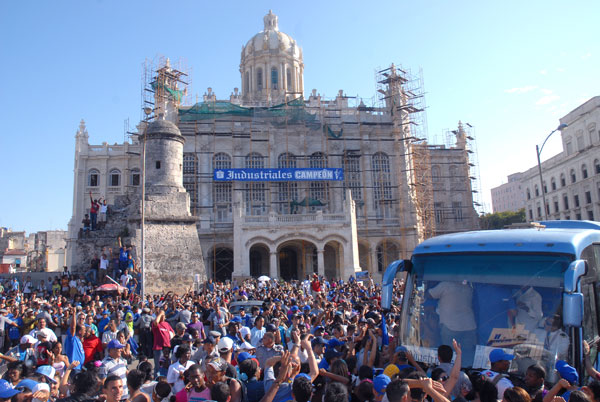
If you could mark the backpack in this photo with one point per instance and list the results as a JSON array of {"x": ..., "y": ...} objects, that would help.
[{"x": 243, "y": 389}]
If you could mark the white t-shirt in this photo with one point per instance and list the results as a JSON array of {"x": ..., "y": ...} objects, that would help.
[
  {"x": 174, "y": 373},
  {"x": 103, "y": 208},
  {"x": 103, "y": 263},
  {"x": 455, "y": 305}
]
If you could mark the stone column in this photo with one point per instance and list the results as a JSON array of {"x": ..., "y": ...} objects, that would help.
[
  {"x": 374, "y": 263},
  {"x": 273, "y": 265},
  {"x": 320, "y": 262}
]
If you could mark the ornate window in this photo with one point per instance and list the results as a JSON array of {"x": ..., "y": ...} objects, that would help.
[
  {"x": 563, "y": 181},
  {"x": 255, "y": 196},
  {"x": 387, "y": 252},
  {"x": 289, "y": 79},
  {"x": 93, "y": 178},
  {"x": 114, "y": 178},
  {"x": 259, "y": 79},
  {"x": 553, "y": 184},
  {"x": 584, "y": 172},
  {"x": 537, "y": 190},
  {"x": 382, "y": 185},
  {"x": 597, "y": 166},
  {"x": 247, "y": 83},
  {"x": 287, "y": 191},
  {"x": 573, "y": 176},
  {"x": 528, "y": 194},
  {"x": 439, "y": 212},
  {"x": 457, "y": 211},
  {"x": 352, "y": 174},
  {"x": 135, "y": 177},
  {"x": 436, "y": 173},
  {"x": 319, "y": 190},
  {"x": 274, "y": 78},
  {"x": 222, "y": 190},
  {"x": 190, "y": 182}
]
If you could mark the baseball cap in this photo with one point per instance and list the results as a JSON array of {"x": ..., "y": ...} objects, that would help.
[
  {"x": 40, "y": 387},
  {"x": 209, "y": 339},
  {"x": 567, "y": 372},
  {"x": 497, "y": 355},
  {"x": 47, "y": 371},
  {"x": 381, "y": 382},
  {"x": 6, "y": 390},
  {"x": 331, "y": 354},
  {"x": 303, "y": 375},
  {"x": 187, "y": 338},
  {"x": 27, "y": 339},
  {"x": 27, "y": 383},
  {"x": 319, "y": 340},
  {"x": 218, "y": 364},
  {"x": 215, "y": 334},
  {"x": 334, "y": 343},
  {"x": 225, "y": 344},
  {"x": 245, "y": 356},
  {"x": 271, "y": 328},
  {"x": 115, "y": 344}
]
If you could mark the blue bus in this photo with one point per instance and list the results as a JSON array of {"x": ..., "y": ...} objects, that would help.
[{"x": 532, "y": 291}]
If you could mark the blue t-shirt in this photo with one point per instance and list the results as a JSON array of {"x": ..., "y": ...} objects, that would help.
[
  {"x": 122, "y": 254},
  {"x": 75, "y": 349}
]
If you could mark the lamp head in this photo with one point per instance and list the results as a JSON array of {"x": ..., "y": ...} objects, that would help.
[{"x": 562, "y": 126}]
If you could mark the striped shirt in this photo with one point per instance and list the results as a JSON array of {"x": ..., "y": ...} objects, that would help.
[{"x": 116, "y": 367}]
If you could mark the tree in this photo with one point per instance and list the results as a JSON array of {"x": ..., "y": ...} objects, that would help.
[{"x": 499, "y": 220}]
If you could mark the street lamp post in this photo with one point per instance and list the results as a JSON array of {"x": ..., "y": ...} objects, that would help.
[{"x": 538, "y": 151}]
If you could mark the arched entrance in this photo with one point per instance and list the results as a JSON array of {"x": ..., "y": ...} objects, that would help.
[
  {"x": 332, "y": 258},
  {"x": 364, "y": 257},
  {"x": 221, "y": 264},
  {"x": 387, "y": 252},
  {"x": 297, "y": 258},
  {"x": 288, "y": 263},
  {"x": 259, "y": 260}
]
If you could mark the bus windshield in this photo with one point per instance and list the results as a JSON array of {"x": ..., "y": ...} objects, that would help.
[{"x": 487, "y": 301}]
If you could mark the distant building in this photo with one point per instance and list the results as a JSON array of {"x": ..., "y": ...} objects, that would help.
[
  {"x": 509, "y": 196},
  {"x": 571, "y": 178},
  {"x": 41, "y": 251},
  {"x": 47, "y": 251}
]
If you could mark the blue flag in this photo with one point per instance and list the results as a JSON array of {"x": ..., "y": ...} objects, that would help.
[{"x": 385, "y": 339}]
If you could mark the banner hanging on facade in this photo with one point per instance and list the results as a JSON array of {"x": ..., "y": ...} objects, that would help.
[{"x": 310, "y": 174}]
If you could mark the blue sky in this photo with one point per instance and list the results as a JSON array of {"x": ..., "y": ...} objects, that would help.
[{"x": 510, "y": 69}]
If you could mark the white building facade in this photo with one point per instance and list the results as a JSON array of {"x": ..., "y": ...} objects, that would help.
[
  {"x": 571, "y": 179},
  {"x": 395, "y": 190},
  {"x": 509, "y": 196}
]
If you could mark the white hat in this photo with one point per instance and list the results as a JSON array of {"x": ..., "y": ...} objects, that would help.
[
  {"x": 225, "y": 344},
  {"x": 244, "y": 331},
  {"x": 27, "y": 339}
]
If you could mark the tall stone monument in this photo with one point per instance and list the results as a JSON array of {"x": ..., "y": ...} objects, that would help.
[{"x": 173, "y": 256}]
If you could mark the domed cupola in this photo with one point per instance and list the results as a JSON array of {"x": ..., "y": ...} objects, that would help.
[{"x": 271, "y": 66}]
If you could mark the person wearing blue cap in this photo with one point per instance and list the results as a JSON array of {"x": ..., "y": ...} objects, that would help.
[
  {"x": 7, "y": 391},
  {"x": 114, "y": 364},
  {"x": 500, "y": 363},
  {"x": 569, "y": 378}
]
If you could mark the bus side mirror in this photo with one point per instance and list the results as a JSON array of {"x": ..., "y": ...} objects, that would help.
[
  {"x": 573, "y": 309},
  {"x": 576, "y": 270},
  {"x": 572, "y": 298},
  {"x": 387, "y": 283}
]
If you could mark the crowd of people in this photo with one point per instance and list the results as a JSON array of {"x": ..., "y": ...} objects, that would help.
[{"x": 252, "y": 341}]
